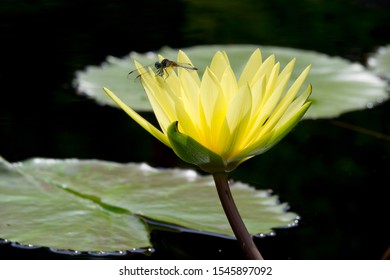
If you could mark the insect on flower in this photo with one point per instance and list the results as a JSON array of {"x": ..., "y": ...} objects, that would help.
[{"x": 160, "y": 68}]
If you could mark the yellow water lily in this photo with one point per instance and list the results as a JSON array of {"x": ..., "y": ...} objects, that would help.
[{"x": 219, "y": 121}]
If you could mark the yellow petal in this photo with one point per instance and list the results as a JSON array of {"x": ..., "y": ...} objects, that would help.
[
  {"x": 270, "y": 111},
  {"x": 272, "y": 117},
  {"x": 190, "y": 86},
  {"x": 229, "y": 84},
  {"x": 214, "y": 105},
  {"x": 210, "y": 93},
  {"x": 237, "y": 119},
  {"x": 277, "y": 106},
  {"x": 258, "y": 91},
  {"x": 264, "y": 70},
  {"x": 254, "y": 148},
  {"x": 287, "y": 70},
  {"x": 183, "y": 58},
  {"x": 252, "y": 66},
  {"x": 295, "y": 106},
  {"x": 188, "y": 125},
  {"x": 190, "y": 97},
  {"x": 271, "y": 82},
  {"x": 299, "y": 81},
  {"x": 287, "y": 100},
  {"x": 260, "y": 124},
  {"x": 161, "y": 102},
  {"x": 219, "y": 64}
]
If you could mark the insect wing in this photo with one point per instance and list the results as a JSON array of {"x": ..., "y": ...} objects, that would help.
[
  {"x": 186, "y": 66},
  {"x": 136, "y": 76}
]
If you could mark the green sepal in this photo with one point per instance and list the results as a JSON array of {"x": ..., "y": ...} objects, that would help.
[{"x": 193, "y": 152}]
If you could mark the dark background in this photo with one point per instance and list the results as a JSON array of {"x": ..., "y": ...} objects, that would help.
[{"x": 335, "y": 178}]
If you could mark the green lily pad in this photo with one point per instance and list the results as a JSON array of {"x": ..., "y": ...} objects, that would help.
[
  {"x": 339, "y": 86},
  {"x": 35, "y": 211},
  {"x": 91, "y": 205},
  {"x": 379, "y": 62}
]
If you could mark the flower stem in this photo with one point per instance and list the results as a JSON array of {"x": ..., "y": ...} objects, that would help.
[{"x": 235, "y": 220}]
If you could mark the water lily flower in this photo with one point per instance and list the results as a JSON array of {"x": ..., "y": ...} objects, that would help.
[{"x": 219, "y": 121}]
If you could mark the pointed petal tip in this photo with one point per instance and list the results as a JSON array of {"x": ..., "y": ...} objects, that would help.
[
  {"x": 108, "y": 92},
  {"x": 310, "y": 88},
  {"x": 182, "y": 57}
]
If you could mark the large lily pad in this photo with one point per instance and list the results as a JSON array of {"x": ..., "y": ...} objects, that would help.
[
  {"x": 35, "y": 211},
  {"x": 91, "y": 205},
  {"x": 339, "y": 86}
]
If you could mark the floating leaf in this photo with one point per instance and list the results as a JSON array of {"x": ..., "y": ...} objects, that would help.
[
  {"x": 339, "y": 86},
  {"x": 380, "y": 62},
  {"x": 35, "y": 211},
  {"x": 91, "y": 205}
]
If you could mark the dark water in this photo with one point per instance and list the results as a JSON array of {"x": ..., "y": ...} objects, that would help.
[{"x": 335, "y": 178}]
